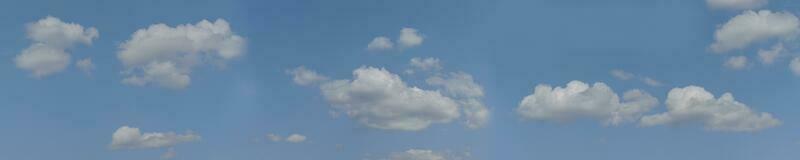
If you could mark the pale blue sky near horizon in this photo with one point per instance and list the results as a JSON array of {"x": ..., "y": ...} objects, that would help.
[{"x": 508, "y": 46}]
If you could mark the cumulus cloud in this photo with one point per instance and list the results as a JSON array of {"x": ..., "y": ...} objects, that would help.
[
  {"x": 751, "y": 26},
  {"x": 296, "y": 138},
  {"x": 306, "y": 77},
  {"x": 462, "y": 87},
  {"x": 165, "y": 56},
  {"x": 380, "y": 44},
  {"x": 736, "y": 4},
  {"x": 769, "y": 56},
  {"x": 410, "y": 37},
  {"x": 380, "y": 99},
  {"x": 52, "y": 38},
  {"x": 736, "y": 63},
  {"x": 580, "y": 100},
  {"x": 693, "y": 104},
  {"x": 795, "y": 66},
  {"x": 131, "y": 138},
  {"x": 424, "y": 64},
  {"x": 85, "y": 65}
]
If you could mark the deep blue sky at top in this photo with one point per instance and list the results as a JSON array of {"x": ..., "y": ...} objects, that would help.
[{"x": 509, "y": 46}]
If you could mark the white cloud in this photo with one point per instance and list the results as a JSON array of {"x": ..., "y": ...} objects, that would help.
[
  {"x": 306, "y": 77},
  {"x": 425, "y": 64},
  {"x": 296, "y": 138},
  {"x": 622, "y": 75},
  {"x": 795, "y": 66},
  {"x": 736, "y": 63},
  {"x": 579, "y": 100},
  {"x": 418, "y": 154},
  {"x": 380, "y": 44},
  {"x": 52, "y": 37},
  {"x": 380, "y": 99},
  {"x": 736, "y": 4},
  {"x": 694, "y": 104},
  {"x": 651, "y": 82},
  {"x": 751, "y": 26},
  {"x": 274, "y": 137},
  {"x": 769, "y": 56},
  {"x": 131, "y": 138},
  {"x": 462, "y": 87},
  {"x": 169, "y": 154},
  {"x": 165, "y": 56},
  {"x": 410, "y": 37},
  {"x": 85, "y": 65}
]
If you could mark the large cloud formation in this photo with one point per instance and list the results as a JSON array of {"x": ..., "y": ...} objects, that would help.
[
  {"x": 380, "y": 99},
  {"x": 580, "y": 100},
  {"x": 52, "y": 38},
  {"x": 736, "y": 4},
  {"x": 751, "y": 26},
  {"x": 165, "y": 56},
  {"x": 693, "y": 104},
  {"x": 131, "y": 138}
]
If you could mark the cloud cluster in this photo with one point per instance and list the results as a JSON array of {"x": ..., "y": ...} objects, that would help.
[
  {"x": 52, "y": 38},
  {"x": 580, "y": 100},
  {"x": 736, "y": 4},
  {"x": 409, "y": 37},
  {"x": 131, "y": 138},
  {"x": 380, "y": 99},
  {"x": 165, "y": 56},
  {"x": 694, "y": 104},
  {"x": 753, "y": 26}
]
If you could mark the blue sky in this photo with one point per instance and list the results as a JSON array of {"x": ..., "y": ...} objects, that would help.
[{"x": 508, "y": 47}]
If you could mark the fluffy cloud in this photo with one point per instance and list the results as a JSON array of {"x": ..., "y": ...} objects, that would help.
[
  {"x": 651, "y": 82},
  {"x": 462, "y": 87},
  {"x": 694, "y": 104},
  {"x": 131, "y": 138},
  {"x": 736, "y": 62},
  {"x": 769, "y": 56},
  {"x": 380, "y": 99},
  {"x": 52, "y": 37},
  {"x": 380, "y": 43},
  {"x": 306, "y": 77},
  {"x": 425, "y": 64},
  {"x": 296, "y": 138},
  {"x": 85, "y": 65},
  {"x": 410, "y": 37},
  {"x": 736, "y": 4},
  {"x": 165, "y": 56},
  {"x": 795, "y": 66},
  {"x": 580, "y": 100},
  {"x": 751, "y": 26}
]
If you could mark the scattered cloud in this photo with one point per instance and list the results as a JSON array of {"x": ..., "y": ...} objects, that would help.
[
  {"x": 425, "y": 154},
  {"x": 580, "y": 100},
  {"x": 296, "y": 138},
  {"x": 736, "y": 63},
  {"x": 410, "y": 37},
  {"x": 169, "y": 154},
  {"x": 754, "y": 26},
  {"x": 306, "y": 77},
  {"x": 736, "y": 4},
  {"x": 131, "y": 138},
  {"x": 463, "y": 88},
  {"x": 693, "y": 104},
  {"x": 795, "y": 66},
  {"x": 651, "y": 82},
  {"x": 52, "y": 38},
  {"x": 380, "y": 44},
  {"x": 274, "y": 137},
  {"x": 380, "y": 99},
  {"x": 165, "y": 56},
  {"x": 85, "y": 65},
  {"x": 623, "y": 75},
  {"x": 769, "y": 56},
  {"x": 424, "y": 64}
]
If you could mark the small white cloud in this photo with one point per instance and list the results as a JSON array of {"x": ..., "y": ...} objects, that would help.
[
  {"x": 52, "y": 38},
  {"x": 736, "y": 4},
  {"x": 751, "y": 26},
  {"x": 169, "y": 154},
  {"x": 306, "y": 77},
  {"x": 165, "y": 56},
  {"x": 274, "y": 137},
  {"x": 425, "y": 64},
  {"x": 622, "y": 75},
  {"x": 417, "y": 154},
  {"x": 410, "y": 37},
  {"x": 651, "y": 82},
  {"x": 85, "y": 65},
  {"x": 795, "y": 66},
  {"x": 296, "y": 138},
  {"x": 736, "y": 63},
  {"x": 769, "y": 56},
  {"x": 693, "y": 104},
  {"x": 380, "y": 99},
  {"x": 580, "y": 100},
  {"x": 131, "y": 138},
  {"x": 380, "y": 44}
]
